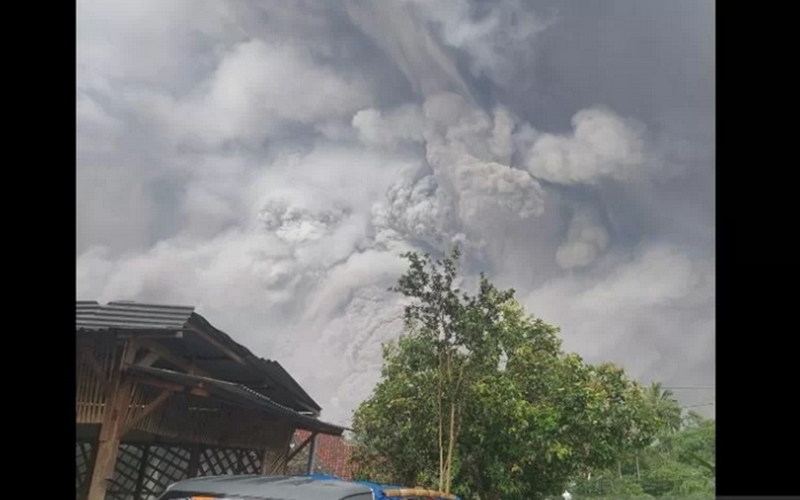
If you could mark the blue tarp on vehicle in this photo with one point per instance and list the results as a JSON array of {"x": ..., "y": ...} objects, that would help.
[{"x": 378, "y": 489}]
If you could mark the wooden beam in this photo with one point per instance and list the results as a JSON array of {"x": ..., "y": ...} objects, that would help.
[
  {"x": 301, "y": 447},
  {"x": 311, "y": 454},
  {"x": 129, "y": 351},
  {"x": 150, "y": 408},
  {"x": 157, "y": 349},
  {"x": 228, "y": 352},
  {"x": 145, "y": 334},
  {"x": 148, "y": 359},
  {"x": 154, "y": 347},
  {"x": 171, "y": 386},
  {"x": 118, "y": 398}
]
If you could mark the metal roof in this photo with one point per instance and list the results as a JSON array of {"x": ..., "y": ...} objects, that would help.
[
  {"x": 239, "y": 395},
  {"x": 90, "y": 315},
  {"x": 270, "y": 368},
  {"x": 273, "y": 487}
]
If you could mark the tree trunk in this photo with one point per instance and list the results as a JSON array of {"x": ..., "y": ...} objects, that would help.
[
  {"x": 450, "y": 445},
  {"x": 441, "y": 431}
]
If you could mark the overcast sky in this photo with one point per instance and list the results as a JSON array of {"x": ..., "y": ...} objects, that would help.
[{"x": 266, "y": 161}]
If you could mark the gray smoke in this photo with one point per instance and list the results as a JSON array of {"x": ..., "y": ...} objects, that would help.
[{"x": 269, "y": 161}]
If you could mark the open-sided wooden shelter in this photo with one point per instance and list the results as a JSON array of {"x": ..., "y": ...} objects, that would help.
[{"x": 161, "y": 395}]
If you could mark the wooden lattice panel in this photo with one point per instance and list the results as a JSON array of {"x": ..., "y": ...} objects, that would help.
[
  {"x": 126, "y": 473},
  {"x": 249, "y": 462},
  {"x": 84, "y": 456},
  {"x": 165, "y": 465},
  {"x": 217, "y": 462},
  {"x": 143, "y": 471}
]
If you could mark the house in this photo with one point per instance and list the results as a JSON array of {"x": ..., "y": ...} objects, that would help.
[
  {"x": 162, "y": 395},
  {"x": 332, "y": 455}
]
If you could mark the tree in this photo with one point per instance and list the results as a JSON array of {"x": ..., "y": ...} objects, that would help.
[
  {"x": 678, "y": 464},
  {"x": 666, "y": 406},
  {"x": 478, "y": 397}
]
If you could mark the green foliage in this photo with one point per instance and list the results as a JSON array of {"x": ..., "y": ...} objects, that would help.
[
  {"x": 645, "y": 496},
  {"x": 679, "y": 464},
  {"x": 480, "y": 393}
]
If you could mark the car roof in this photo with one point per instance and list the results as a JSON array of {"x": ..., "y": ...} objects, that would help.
[{"x": 277, "y": 487}]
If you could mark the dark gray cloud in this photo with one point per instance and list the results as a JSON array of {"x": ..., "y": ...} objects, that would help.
[{"x": 267, "y": 161}]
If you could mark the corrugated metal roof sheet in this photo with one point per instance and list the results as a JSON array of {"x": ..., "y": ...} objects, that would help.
[
  {"x": 130, "y": 316},
  {"x": 272, "y": 369},
  {"x": 279, "y": 374},
  {"x": 239, "y": 394}
]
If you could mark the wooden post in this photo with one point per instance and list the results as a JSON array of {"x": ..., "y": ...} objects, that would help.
[
  {"x": 117, "y": 401},
  {"x": 310, "y": 465},
  {"x": 237, "y": 466},
  {"x": 194, "y": 462},
  {"x": 142, "y": 471},
  {"x": 108, "y": 442}
]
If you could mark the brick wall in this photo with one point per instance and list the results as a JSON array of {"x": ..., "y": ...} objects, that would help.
[{"x": 332, "y": 456}]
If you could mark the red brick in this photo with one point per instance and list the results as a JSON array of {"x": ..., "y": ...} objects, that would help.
[{"x": 332, "y": 457}]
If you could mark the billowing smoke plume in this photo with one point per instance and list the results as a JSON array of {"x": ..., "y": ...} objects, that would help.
[{"x": 268, "y": 162}]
